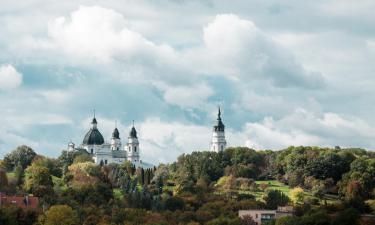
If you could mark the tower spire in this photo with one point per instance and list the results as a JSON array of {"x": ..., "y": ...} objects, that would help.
[
  {"x": 94, "y": 122},
  {"x": 219, "y": 113}
]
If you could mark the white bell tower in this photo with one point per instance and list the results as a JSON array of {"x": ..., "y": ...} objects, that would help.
[
  {"x": 115, "y": 140},
  {"x": 218, "y": 142},
  {"x": 132, "y": 147}
]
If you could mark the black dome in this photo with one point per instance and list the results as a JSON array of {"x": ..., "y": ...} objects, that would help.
[{"x": 93, "y": 137}]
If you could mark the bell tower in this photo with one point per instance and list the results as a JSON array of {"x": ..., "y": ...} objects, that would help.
[
  {"x": 132, "y": 147},
  {"x": 218, "y": 142}
]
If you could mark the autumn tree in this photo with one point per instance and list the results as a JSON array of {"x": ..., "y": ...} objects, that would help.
[
  {"x": 297, "y": 195},
  {"x": 38, "y": 180},
  {"x": 59, "y": 215}
]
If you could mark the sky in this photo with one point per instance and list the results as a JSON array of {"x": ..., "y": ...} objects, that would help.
[{"x": 284, "y": 73}]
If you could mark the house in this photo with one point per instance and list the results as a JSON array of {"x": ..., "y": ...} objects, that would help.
[
  {"x": 25, "y": 202},
  {"x": 262, "y": 215}
]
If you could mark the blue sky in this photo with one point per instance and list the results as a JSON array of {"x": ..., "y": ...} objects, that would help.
[{"x": 285, "y": 72}]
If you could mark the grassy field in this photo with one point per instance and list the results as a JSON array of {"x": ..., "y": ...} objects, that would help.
[
  {"x": 271, "y": 185},
  {"x": 10, "y": 175}
]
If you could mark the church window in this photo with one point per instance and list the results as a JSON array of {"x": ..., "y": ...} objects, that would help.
[
  {"x": 135, "y": 148},
  {"x": 222, "y": 148},
  {"x": 105, "y": 161},
  {"x": 92, "y": 151}
]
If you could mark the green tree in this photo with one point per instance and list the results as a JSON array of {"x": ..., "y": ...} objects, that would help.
[
  {"x": 3, "y": 179},
  {"x": 275, "y": 198},
  {"x": 347, "y": 217},
  {"x": 59, "y": 215},
  {"x": 22, "y": 155}
]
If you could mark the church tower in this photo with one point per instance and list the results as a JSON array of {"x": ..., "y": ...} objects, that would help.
[
  {"x": 218, "y": 137},
  {"x": 115, "y": 140},
  {"x": 133, "y": 146}
]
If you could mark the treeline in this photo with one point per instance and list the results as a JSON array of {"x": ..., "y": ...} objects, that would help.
[{"x": 199, "y": 188}]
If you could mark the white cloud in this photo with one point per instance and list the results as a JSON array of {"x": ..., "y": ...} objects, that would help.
[
  {"x": 309, "y": 128},
  {"x": 100, "y": 34},
  {"x": 164, "y": 141},
  {"x": 188, "y": 96},
  {"x": 10, "y": 78},
  {"x": 236, "y": 47}
]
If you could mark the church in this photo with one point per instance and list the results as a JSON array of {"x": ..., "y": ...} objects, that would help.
[{"x": 105, "y": 153}]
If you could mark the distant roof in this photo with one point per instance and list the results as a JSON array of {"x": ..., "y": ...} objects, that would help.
[{"x": 20, "y": 201}]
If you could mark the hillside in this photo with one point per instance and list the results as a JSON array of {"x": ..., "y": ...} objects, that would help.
[{"x": 198, "y": 188}]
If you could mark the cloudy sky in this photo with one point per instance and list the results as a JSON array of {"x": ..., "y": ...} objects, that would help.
[{"x": 285, "y": 73}]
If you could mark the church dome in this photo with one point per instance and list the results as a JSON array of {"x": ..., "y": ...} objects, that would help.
[{"x": 93, "y": 137}]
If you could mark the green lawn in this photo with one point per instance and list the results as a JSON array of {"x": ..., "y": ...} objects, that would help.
[
  {"x": 271, "y": 185},
  {"x": 10, "y": 175}
]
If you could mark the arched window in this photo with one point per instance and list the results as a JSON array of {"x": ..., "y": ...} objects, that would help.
[
  {"x": 135, "y": 148},
  {"x": 222, "y": 148},
  {"x": 105, "y": 162},
  {"x": 92, "y": 151}
]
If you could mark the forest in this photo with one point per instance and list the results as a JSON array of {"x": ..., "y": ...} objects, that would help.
[{"x": 333, "y": 186}]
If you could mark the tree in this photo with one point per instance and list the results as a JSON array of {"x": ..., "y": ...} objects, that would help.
[
  {"x": 22, "y": 155},
  {"x": 53, "y": 165},
  {"x": 297, "y": 195},
  {"x": 59, "y": 215},
  {"x": 248, "y": 220},
  {"x": 83, "y": 158},
  {"x": 275, "y": 198},
  {"x": 347, "y": 217},
  {"x": 174, "y": 203},
  {"x": 19, "y": 175},
  {"x": 38, "y": 180},
  {"x": 3, "y": 179}
]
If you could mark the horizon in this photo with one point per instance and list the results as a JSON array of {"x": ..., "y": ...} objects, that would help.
[{"x": 285, "y": 74}]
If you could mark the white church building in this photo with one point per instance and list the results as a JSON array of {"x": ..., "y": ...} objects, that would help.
[{"x": 105, "y": 153}]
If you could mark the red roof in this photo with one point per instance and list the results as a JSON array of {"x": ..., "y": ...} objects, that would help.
[{"x": 20, "y": 201}]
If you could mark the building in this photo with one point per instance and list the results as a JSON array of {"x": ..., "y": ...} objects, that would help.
[
  {"x": 105, "y": 153},
  {"x": 263, "y": 215},
  {"x": 218, "y": 142},
  {"x": 25, "y": 202}
]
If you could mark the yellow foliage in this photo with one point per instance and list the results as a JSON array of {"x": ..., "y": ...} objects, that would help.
[{"x": 297, "y": 195}]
